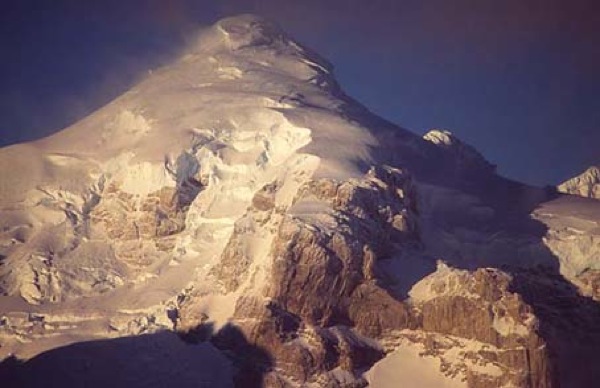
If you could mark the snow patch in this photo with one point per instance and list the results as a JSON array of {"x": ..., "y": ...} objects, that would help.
[
  {"x": 440, "y": 137},
  {"x": 445, "y": 281},
  {"x": 406, "y": 367}
]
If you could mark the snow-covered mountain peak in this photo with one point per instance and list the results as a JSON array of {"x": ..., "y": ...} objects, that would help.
[
  {"x": 255, "y": 39},
  {"x": 181, "y": 155},
  {"x": 241, "y": 31},
  {"x": 464, "y": 156},
  {"x": 241, "y": 76},
  {"x": 239, "y": 189},
  {"x": 251, "y": 30}
]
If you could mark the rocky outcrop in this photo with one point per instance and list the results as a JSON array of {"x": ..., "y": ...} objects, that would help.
[
  {"x": 333, "y": 264},
  {"x": 586, "y": 184},
  {"x": 139, "y": 227},
  {"x": 325, "y": 307},
  {"x": 480, "y": 306},
  {"x": 324, "y": 303},
  {"x": 567, "y": 322}
]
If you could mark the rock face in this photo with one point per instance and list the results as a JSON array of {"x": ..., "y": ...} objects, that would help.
[
  {"x": 321, "y": 306},
  {"x": 491, "y": 315},
  {"x": 324, "y": 291},
  {"x": 239, "y": 198},
  {"x": 324, "y": 309},
  {"x": 586, "y": 184},
  {"x": 333, "y": 264}
]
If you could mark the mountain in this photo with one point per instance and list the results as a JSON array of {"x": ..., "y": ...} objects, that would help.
[
  {"x": 289, "y": 237},
  {"x": 586, "y": 184}
]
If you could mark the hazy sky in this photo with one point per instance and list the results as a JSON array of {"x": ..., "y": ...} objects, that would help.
[{"x": 520, "y": 80}]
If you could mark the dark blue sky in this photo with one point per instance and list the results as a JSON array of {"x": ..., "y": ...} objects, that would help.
[{"x": 518, "y": 79}]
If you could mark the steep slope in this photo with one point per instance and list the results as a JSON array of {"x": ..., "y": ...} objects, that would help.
[{"x": 240, "y": 198}]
